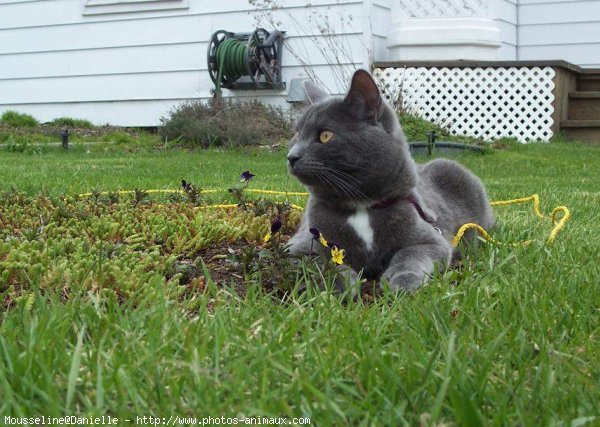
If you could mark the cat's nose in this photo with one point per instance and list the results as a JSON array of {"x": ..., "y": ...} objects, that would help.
[{"x": 293, "y": 159}]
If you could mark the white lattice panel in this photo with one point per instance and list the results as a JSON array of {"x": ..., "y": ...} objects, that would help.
[
  {"x": 485, "y": 103},
  {"x": 442, "y": 8}
]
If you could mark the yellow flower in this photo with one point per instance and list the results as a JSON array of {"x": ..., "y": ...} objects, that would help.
[
  {"x": 267, "y": 238},
  {"x": 322, "y": 240},
  {"x": 337, "y": 255}
]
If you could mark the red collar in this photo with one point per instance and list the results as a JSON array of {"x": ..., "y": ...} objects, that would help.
[{"x": 410, "y": 199}]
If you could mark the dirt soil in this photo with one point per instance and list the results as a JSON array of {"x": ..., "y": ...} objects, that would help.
[{"x": 220, "y": 263}]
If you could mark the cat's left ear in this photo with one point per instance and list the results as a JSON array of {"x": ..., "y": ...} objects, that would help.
[{"x": 363, "y": 99}]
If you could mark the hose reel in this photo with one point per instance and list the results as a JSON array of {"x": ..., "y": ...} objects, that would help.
[{"x": 246, "y": 61}]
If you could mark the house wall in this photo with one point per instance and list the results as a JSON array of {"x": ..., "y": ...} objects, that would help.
[
  {"x": 131, "y": 68},
  {"x": 507, "y": 23},
  {"x": 380, "y": 24},
  {"x": 113, "y": 64},
  {"x": 560, "y": 29}
]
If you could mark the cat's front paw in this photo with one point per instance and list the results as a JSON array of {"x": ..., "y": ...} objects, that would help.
[
  {"x": 300, "y": 245},
  {"x": 404, "y": 281},
  {"x": 297, "y": 249}
]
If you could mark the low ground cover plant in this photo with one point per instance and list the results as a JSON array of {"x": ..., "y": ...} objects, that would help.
[{"x": 114, "y": 244}]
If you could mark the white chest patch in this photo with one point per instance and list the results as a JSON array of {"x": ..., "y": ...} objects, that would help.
[{"x": 362, "y": 227}]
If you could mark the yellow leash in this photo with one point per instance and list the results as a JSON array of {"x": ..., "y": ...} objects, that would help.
[
  {"x": 211, "y": 191},
  {"x": 558, "y": 222},
  {"x": 247, "y": 190}
]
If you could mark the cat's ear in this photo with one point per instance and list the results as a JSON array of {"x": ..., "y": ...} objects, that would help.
[
  {"x": 314, "y": 93},
  {"x": 364, "y": 99}
]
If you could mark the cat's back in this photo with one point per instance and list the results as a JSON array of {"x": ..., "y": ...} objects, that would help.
[
  {"x": 446, "y": 172},
  {"x": 461, "y": 190}
]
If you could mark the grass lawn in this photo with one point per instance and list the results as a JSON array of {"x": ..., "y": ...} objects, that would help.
[{"x": 94, "y": 320}]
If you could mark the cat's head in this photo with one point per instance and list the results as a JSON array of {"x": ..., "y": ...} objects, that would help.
[{"x": 351, "y": 149}]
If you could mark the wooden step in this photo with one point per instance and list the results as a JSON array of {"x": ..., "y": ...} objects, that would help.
[
  {"x": 584, "y": 105},
  {"x": 580, "y": 123},
  {"x": 588, "y": 81},
  {"x": 582, "y": 130}
]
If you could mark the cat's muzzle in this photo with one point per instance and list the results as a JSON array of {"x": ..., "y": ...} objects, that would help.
[{"x": 292, "y": 159}]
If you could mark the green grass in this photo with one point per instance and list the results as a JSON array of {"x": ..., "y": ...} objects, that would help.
[
  {"x": 416, "y": 128},
  {"x": 511, "y": 339},
  {"x": 107, "y": 168},
  {"x": 24, "y": 134}
]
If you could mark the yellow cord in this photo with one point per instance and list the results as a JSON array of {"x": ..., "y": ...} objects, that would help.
[
  {"x": 248, "y": 190},
  {"x": 102, "y": 193},
  {"x": 276, "y": 193},
  {"x": 235, "y": 205},
  {"x": 558, "y": 222},
  {"x": 465, "y": 227},
  {"x": 534, "y": 197},
  {"x": 227, "y": 206}
]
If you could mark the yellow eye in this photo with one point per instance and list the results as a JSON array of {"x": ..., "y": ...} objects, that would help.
[{"x": 325, "y": 136}]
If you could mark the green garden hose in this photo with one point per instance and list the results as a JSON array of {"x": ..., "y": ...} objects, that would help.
[
  {"x": 245, "y": 61},
  {"x": 232, "y": 61}
]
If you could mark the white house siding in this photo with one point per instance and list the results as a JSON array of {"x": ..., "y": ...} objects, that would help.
[
  {"x": 132, "y": 68},
  {"x": 380, "y": 24},
  {"x": 507, "y": 23},
  {"x": 568, "y": 30}
]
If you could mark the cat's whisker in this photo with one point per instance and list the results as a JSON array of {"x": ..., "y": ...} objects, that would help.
[
  {"x": 351, "y": 192},
  {"x": 336, "y": 179},
  {"x": 313, "y": 164},
  {"x": 319, "y": 175},
  {"x": 339, "y": 187},
  {"x": 354, "y": 166},
  {"x": 342, "y": 174},
  {"x": 350, "y": 189},
  {"x": 326, "y": 181}
]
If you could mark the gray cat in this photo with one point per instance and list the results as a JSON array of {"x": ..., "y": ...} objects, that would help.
[{"x": 394, "y": 218}]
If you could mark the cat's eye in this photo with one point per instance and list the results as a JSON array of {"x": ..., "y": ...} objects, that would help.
[{"x": 325, "y": 136}]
